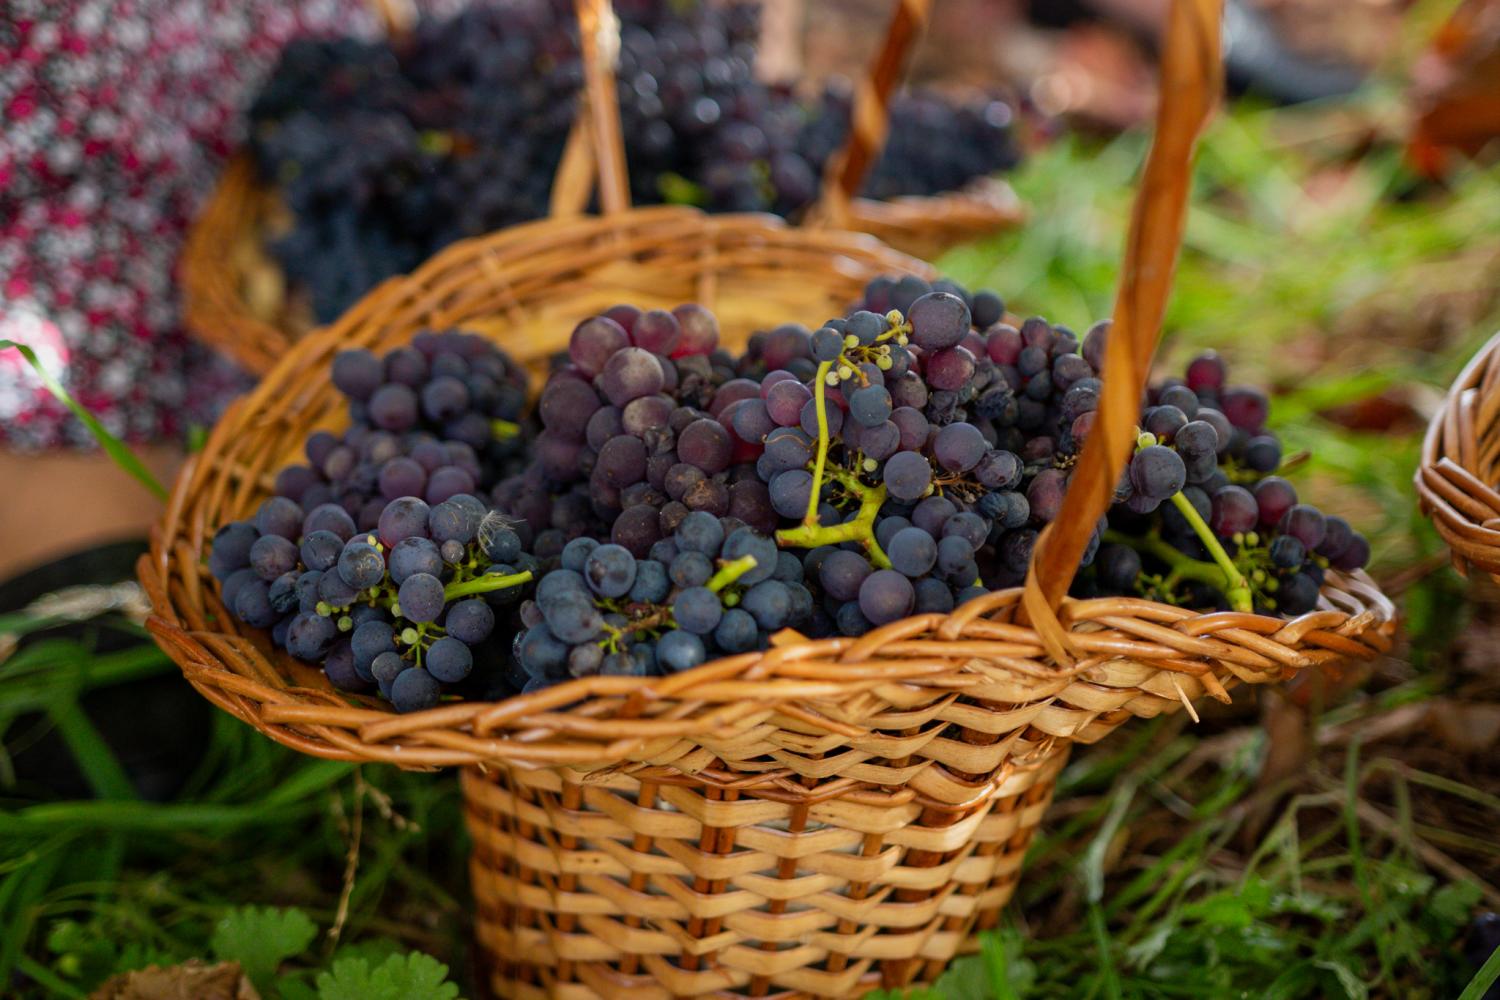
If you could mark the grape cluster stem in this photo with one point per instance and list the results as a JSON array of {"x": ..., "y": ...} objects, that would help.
[{"x": 810, "y": 534}]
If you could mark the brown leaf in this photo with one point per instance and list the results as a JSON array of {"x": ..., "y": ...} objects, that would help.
[
  {"x": 1457, "y": 91},
  {"x": 192, "y": 980}
]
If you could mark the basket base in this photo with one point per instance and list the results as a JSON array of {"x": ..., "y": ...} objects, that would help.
[{"x": 660, "y": 885}]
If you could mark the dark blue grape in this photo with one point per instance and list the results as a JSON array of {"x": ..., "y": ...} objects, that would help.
[
  {"x": 912, "y": 552},
  {"x": 651, "y": 582},
  {"x": 357, "y": 374},
  {"x": 414, "y": 555},
  {"x": 470, "y": 621},
  {"x": 841, "y": 574},
  {"x": 310, "y": 637},
  {"x": 886, "y": 596},
  {"x": 369, "y": 640},
  {"x": 691, "y": 569},
  {"x": 271, "y": 556},
  {"x": 415, "y": 690},
  {"x": 698, "y": 610},
  {"x": 420, "y": 597},
  {"x": 700, "y": 532},
  {"x": 736, "y": 631},
  {"x": 680, "y": 650},
  {"x": 932, "y": 596},
  {"x": 361, "y": 565},
  {"x": 279, "y": 516},
  {"x": 448, "y": 660},
  {"x": 610, "y": 571},
  {"x": 769, "y": 603},
  {"x": 571, "y": 615}
]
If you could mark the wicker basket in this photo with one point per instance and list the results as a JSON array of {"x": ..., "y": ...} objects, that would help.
[
  {"x": 235, "y": 297},
  {"x": 811, "y": 821},
  {"x": 1461, "y": 461}
]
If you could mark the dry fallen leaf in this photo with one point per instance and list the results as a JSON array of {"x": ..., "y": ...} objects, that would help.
[{"x": 192, "y": 980}]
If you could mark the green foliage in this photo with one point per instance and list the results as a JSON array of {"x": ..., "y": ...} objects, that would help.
[
  {"x": 399, "y": 977},
  {"x": 113, "y": 446},
  {"x": 270, "y": 944},
  {"x": 260, "y": 939}
]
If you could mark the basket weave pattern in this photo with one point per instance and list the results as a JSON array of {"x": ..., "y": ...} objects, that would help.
[
  {"x": 820, "y": 818},
  {"x": 1461, "y": 463},
  {"x": 812, "y": 820}
]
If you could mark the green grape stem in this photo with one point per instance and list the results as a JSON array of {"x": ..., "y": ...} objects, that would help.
[
  {"x": 730, "y": 572},
  {"x": 861, "y": 529},
  {"x": 1237, "y": 589},
  {"x": 820, "y": 395},
  {"x": 1185, "y": 567},
  {"x": 483, "y": 585},
  {"x": 504, "y": 430}
]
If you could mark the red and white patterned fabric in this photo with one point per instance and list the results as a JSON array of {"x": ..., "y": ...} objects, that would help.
[{"x": 117, "y": 115}]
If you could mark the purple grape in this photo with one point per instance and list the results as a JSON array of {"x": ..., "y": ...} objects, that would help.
[
  {"x": 1157, "y": 472},
  {"x": 950, "y": 369},
  {"x": 1274, "y": 496},
  {"x": 630, "y": 374},
  {"x": 566, "y": 406},
  {"x": 657, "y": 331},
  {"x": 907, "y": 475},
  {"x": 402, "y": 477},
  {"x": 959, "y": 447},
  {"x": 700, "y": 330},
  {"x": 646, "y": 417},
  {"x": 393, "y": 408},
  {"x": 1245, "y": 407},
  {"x": 938, "y": 320},
  {"x": 622, "y": 461},
  {"x": 1205, "y": 373},
  {"x": 1304, "y": 523},
  {"x": 842, "y": 573},
  {"x": 886, "y": 596},
  {"x": 594, "y": 342},
  {"x": 357, "y": 373},
  {"x": 706, "y": 445},
  {"x": 1234, "y": 511},
  {"x": 402, "y": 518}
]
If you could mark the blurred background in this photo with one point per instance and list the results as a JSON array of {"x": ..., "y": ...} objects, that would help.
[{"x": 1336, "y": 839}]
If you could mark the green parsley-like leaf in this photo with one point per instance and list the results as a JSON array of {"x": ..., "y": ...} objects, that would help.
[
  {"x": 413, "y": 976},
  {"x": 261, "y": 938}
]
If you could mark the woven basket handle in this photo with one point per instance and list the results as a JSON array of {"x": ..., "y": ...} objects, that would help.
[
  {"x": 870, "y": 114},
  {"x": 595, "y": 151},
  {"x": 396, "y": 17},
  {"x": 1190, "y": 80}
]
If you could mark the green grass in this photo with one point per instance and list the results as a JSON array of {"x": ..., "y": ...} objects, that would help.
[{"x": 1166, "y": 869}]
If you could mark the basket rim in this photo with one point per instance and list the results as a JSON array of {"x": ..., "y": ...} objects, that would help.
[
  {"x": 216, "y": 312},
  {"x": 1451, "y": 489},
  {"x": 613, "y": 717}
]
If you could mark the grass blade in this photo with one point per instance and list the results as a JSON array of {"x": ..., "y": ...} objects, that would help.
[
  {"x": 103, "y": 770},
  {"x": 1486, "y": 977},
  {"x": 113, "y": 446}
]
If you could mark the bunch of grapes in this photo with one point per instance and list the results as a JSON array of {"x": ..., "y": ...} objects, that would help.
[
  {"x": 406, "y": 607},
  {"x": 1202, "y": 519},
  {"x": 385, "y": 152},
  {"x": 441, "y": 417},
  {"x": 677, "y": 504},
  {"x": 631, "y": 440},
  {"x": 923, "y": 496},
  {"x": 711, "y": 588},
  {"x": 934, "y": 145}
]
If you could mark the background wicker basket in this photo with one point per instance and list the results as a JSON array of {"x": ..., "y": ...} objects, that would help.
[
  {"x": 1461, "y": 463},
  {"x": 236, "y": 300},
  {"x": 814, "y": 820}
]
